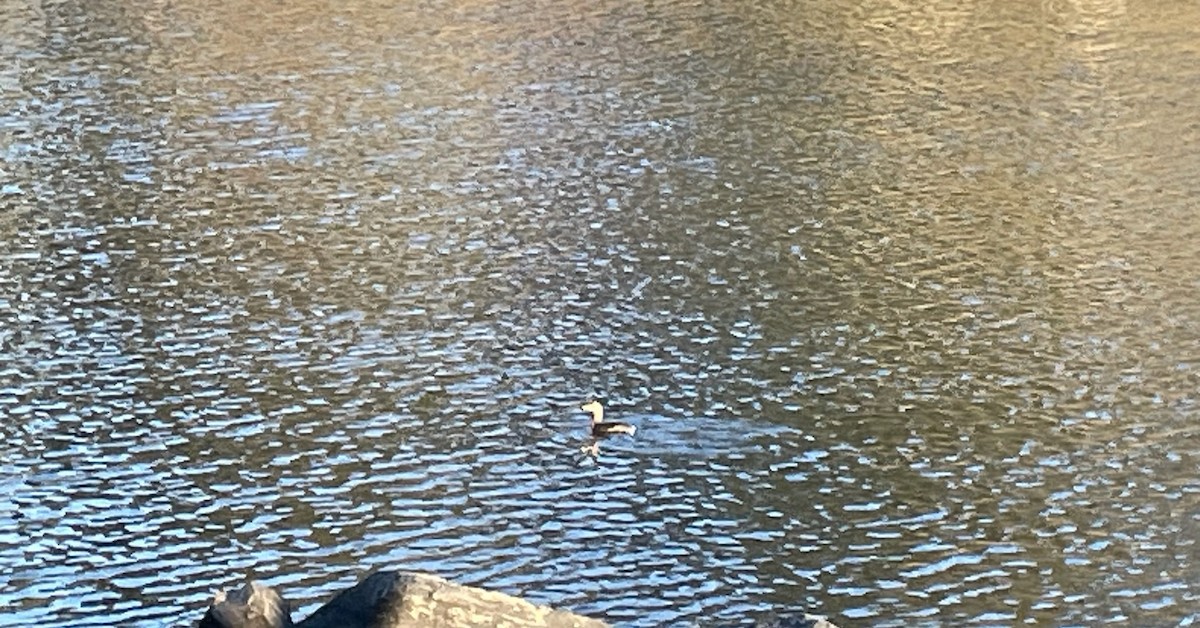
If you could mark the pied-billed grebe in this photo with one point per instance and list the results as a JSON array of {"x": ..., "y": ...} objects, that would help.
[{"x": 600, "y": 427}]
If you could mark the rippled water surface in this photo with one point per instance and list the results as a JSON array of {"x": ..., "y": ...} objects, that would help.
[{"x": 903, "y": 297}]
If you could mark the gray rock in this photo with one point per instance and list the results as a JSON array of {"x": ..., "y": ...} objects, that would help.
[
  {"x": 797, "y": 621},
  {"x": 391, "y": 600},
  {"x": 254, "y": 605}
]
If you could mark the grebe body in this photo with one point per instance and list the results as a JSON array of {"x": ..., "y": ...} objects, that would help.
[{"x": 600, "y": 427}]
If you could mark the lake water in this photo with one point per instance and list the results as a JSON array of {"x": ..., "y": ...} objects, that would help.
[{"x": 904, "y": 299}]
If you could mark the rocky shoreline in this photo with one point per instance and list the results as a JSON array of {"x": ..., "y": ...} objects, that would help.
[{"x": 390, "y": 599}]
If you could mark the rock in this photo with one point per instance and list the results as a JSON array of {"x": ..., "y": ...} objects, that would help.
[
  {"x": 391, "y": 600},
  {"x": 252, "y": 606},
  {"x": 797, "y": 621}
]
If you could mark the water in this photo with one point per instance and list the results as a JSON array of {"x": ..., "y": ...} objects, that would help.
[{"x": 903, "y": 300}]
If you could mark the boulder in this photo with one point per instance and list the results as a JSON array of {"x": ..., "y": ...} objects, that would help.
[
  {"x": 803, "y": 620},
  {"x": 389, "y": 599}
]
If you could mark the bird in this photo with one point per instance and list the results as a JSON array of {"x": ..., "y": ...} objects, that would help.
[{"x": 600, "y": 427}]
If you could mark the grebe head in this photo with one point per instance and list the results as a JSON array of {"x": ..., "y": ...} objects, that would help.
[{"x": 595, "y": 408}]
